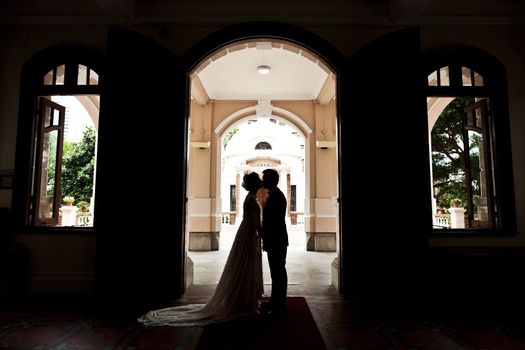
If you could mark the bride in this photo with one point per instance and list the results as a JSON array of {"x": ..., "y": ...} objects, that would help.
[{"x": 240, "y": 287}]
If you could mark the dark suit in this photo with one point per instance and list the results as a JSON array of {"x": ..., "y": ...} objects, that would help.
[{"x": 275, "y": 243}]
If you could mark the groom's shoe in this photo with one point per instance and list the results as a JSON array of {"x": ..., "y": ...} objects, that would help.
[
  {"x": 277, "y": 311},
  {"x": 266, "y": 306}
]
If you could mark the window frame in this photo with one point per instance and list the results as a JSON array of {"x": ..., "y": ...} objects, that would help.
[
  {"x": 233, "y": 198},
  {"x": 495, "y": 90},
  {"x": 28, "y": 132}
]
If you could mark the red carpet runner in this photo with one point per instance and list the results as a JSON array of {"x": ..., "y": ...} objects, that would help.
[{"x": 295, "y": 330}]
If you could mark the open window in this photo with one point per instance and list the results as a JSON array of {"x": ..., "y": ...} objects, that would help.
[
  {"x": 57, "y": 142},
  {"x": 49, "y": 155},
  {"x": 471, "y": 191}
]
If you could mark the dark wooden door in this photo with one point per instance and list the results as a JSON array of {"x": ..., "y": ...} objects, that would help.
[
  {"x": 141, "y": 170},
  {"x": 385, "y": 176}
]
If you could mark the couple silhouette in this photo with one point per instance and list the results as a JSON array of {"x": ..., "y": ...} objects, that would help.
[{"x": 240, "y": 288}]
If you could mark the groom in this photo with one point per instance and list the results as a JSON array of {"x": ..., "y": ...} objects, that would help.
[{"x": 275, "y": 240}]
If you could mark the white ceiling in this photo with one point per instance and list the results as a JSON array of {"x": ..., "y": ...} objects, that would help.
[{"x": 235, "y": 77}]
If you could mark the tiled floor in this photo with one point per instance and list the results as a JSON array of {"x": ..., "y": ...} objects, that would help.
[
  {"x": 306, "y": 270},
  {"x": 347, "y": 325},
  {"x": 344, "y": 324}
]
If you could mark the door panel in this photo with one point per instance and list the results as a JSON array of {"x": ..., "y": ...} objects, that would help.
[
  {"x": 143, "y": 119},
  {"x": 386, "y": 207}
]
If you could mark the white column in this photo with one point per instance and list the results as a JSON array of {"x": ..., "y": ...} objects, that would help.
[
  {"x": 457, "y": 217},
  {"x": 69, "y": 215}
]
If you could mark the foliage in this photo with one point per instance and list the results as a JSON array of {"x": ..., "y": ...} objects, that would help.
[
  {"x": 455, "y": 203},
  {"x": 68, "y": 199},
  {"x": 229, "y": 136},
  {"x": 78, "y": 167},
  {"x": 448, "y": 157},
  {"x": 83, "y": 204}
]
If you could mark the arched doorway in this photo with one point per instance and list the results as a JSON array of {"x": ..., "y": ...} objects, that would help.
[
  {"x": 225, "y": 89},
  {"x": 373, "y": 258}
]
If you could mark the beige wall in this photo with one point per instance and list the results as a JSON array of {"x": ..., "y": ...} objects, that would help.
[
  {"x": 60, "y": 263},
  {"x": 204, "y": 191}
]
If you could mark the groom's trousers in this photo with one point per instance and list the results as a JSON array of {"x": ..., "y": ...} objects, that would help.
[{"x": 277, "y": 262}]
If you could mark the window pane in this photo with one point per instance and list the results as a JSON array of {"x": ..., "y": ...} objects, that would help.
[
  {"x": 48, "y": 115},
  {"x": 47, "y": 179},
  {"x": 478, "y": 79},
  {"x": 448, "y": 163},
  {"x": 293, "y": 198},
  {"x": 93, "y": 77},
  {"x": 263, "y": 145},
  {"x": 56, "y": 117},
  {"x": 466, "y": 76},
  {"x": 48, "y": 78},
  {"x": 444, "y": 76},
  {"x": 60, "y": 75},
  {"x": 82, "y": 75},
  {"x": 479, "y": 118},
  {"x": 480, "y": 217},
  {"x": 233, "y": 198},
  {"x": 77, "y": 152},
  {"x": 432, "y": 79},
  {"x": 470, "y": 118}
]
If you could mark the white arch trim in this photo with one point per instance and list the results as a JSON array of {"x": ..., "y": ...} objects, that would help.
[
  {"x": 436, "y": 105},
  {"x": 284, "y": 114}
]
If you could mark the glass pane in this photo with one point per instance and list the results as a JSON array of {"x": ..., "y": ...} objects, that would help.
[
  {"x": 47, "y": 175},
  {"x": 48, "y": 115},
  {"x": 233, "y": 197},
  {"x": 478, "y": 79},
  {"x": 478, "y": 185},
  {"x": 448, "y": 165},
  {"x": 466, "y": 76},
  {"x": 479, "y": 118},
  {"x": 432, "y": 79},
  {"x": 82, "y": 75},
  {"x": 56, "y": 117},
  {"x": 60, "y": 75},
  {"x": 470, "y": 118},
  {"x": 444, "y": 76},
  {"x": 93, "y": 77},
  {"x": 48, "y": 78}
]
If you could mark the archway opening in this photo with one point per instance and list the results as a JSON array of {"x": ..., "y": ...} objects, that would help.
[{"x": 242, "y": 121}]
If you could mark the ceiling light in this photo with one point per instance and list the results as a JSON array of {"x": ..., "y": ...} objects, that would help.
[{"x": 263, "y": 70}]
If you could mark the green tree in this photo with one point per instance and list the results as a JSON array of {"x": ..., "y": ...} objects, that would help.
[
  {"x": 66, "y": 151},
  {"x": 448, "y": 157},
  {"x": 78, "y": 167}
]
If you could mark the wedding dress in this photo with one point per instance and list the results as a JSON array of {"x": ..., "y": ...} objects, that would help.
[{"x": 240, "y": 287}]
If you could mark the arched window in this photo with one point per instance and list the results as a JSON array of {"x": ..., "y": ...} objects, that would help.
[
  {"x": 263, "y": 145},
  {"x": 63, "y": 86},
  {"x": 466, "y": 104}
]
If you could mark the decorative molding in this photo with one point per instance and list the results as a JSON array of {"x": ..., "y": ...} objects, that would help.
[
  {"x": 263, "y": 108},
  {"x": 325, "y": 144},
  {"x": 200, "y": 144},
  {"x": 327, "y": 92},
  {"x": 278, "y": 113},
  {"x": 198, "y": 92}
]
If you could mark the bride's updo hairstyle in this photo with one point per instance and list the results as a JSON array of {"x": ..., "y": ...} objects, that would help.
[{"x": 251, "y": 182}]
